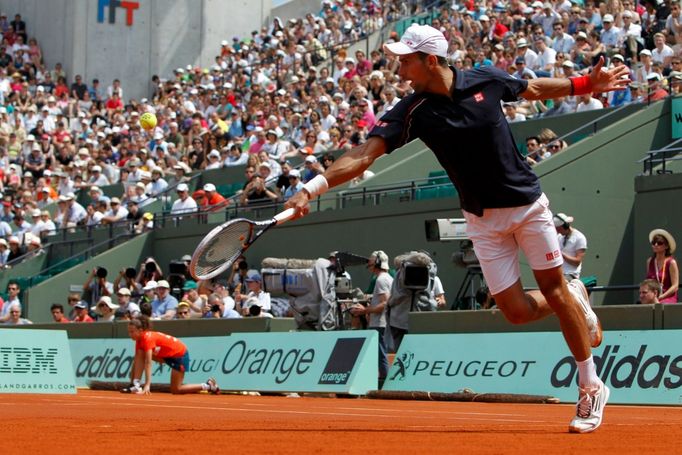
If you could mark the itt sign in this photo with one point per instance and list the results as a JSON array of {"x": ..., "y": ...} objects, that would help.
[{"x": 112, "y": 6}]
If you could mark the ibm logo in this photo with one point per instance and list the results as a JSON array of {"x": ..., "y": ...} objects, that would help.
[
  {"x": 113, "y": 5},
  {"x": 26, "y": 360}
]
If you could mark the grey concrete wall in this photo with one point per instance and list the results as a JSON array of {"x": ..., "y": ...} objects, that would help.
[
  {"x": 165, "y": 34},
  {"x": 295, "y": 9}
]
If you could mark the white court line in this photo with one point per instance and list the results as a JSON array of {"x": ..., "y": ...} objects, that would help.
[
  {"x": 338, "y": 414},
  {"x": 280, "y": 411},
  {"x": 351, "y": 408}
]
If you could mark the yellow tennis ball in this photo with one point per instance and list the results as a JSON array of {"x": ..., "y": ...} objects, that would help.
[{"x": 148, "y": 121}]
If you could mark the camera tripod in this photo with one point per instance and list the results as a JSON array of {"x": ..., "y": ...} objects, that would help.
[{"x": 466, "y": 295}]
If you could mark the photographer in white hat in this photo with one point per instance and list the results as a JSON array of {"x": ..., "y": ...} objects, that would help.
[{"x": 573, "y": 245}]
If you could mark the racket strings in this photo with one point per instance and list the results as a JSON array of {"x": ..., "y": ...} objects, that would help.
[{"x": 224, "y": 247}]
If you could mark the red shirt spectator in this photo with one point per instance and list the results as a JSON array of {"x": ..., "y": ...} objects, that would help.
[
  {"x": 81, "y": 309},
  {"x": 213, "y": 199},
  {"x": 114, "y": 103}
]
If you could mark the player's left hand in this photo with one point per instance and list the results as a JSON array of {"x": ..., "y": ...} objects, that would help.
[
  {"x": 299, "y": 201},
  {"x": 616, "y": 78},
  {"x": 146, "y": 390}
]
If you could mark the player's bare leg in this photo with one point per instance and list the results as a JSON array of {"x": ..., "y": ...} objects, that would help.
[
  {"x": 554, "y": 296},
  {"x": 177, "y": 387}
]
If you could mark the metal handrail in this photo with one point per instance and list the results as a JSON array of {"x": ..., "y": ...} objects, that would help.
[
  {"x": 593, "y": 123},
  {"x": 660, "y": 157}
]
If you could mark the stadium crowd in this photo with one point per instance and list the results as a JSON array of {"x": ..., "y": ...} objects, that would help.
[{"x": 290, "y": 92}]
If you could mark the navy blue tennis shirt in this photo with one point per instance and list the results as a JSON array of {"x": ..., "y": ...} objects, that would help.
[{"x": 470, "y": 137}]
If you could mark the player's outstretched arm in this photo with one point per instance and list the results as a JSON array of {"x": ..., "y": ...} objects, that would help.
[
  {"x": 350, "y": 165},
  {"x": 597, "y": 81},
  {"x": 147, "y": 372}
]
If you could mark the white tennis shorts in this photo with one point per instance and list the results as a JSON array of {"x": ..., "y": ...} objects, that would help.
[{"x": 500, "y": 233}]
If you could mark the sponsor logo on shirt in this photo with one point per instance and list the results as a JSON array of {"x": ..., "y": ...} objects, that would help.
[
  {"x": 478, "y": 97},
  {"x": 553, "y": 255}
]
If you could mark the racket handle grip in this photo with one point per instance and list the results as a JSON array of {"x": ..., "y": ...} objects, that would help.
[{"x": 285, "y": 215}]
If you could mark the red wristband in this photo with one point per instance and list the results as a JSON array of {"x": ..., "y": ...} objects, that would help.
[{"x": 581, "y": 85}]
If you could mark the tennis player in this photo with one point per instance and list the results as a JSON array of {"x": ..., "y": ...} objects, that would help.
[
  {"x": 458, "y": 115},
  {"x": 157, "y": 346}
]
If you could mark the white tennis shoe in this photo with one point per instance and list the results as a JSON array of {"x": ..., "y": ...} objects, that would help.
[
  {"x": 133, "y": 388},
  {"x": 589, "y": 409},
  {"x": 213, "y": 386},
  {"x": 579, "y": 292}
]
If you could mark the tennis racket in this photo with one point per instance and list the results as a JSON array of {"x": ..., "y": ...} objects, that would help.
[{"x": 225, "y": 243}]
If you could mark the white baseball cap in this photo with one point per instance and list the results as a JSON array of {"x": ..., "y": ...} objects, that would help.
[
  {"x": 182, "y": 187},
  {"x": 209, "y": 187},
  {"x": 419, "y": 38}
]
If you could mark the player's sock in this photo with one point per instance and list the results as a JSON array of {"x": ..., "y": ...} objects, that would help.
[
  {"x": 587, "y": 373},
  {"x": 136, "y": 383}
]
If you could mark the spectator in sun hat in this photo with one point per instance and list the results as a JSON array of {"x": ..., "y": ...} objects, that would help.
[
  {"x": 105, "y": 308},
  {"x": 523, "y": 50},
  {"x": 662, "y": 266},
  {"x": 164, "y": 305},
  {"x": 214, "y": 161}
]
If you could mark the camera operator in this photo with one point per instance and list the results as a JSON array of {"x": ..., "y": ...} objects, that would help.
[
  {"x": 378, "y": 265},
  {"x": 214, "y": 307},
  {"x": 416, "y": 287},
  {"x": 149, "y": 271},
  {"x": 126, "y": 280},
  {"x": 97, "y": 285},
  {"x": 255, "y": 311}
]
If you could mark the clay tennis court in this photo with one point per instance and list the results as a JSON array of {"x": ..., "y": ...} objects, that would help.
[{"x": 109, "y": 422}]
